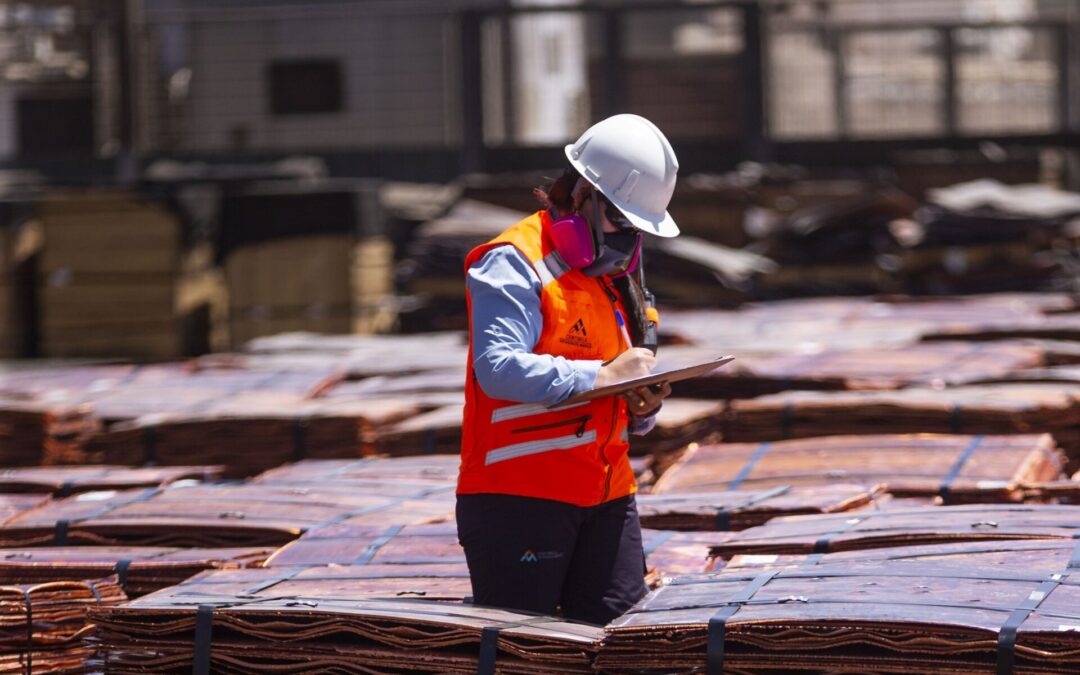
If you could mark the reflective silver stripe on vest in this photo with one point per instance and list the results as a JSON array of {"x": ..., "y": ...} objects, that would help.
[
  {"x": 534, "y": 447},
  {"x": 625, "y": 435},
  {"x": 513, "y": 412},
  {"x": 551, "y": 267}
]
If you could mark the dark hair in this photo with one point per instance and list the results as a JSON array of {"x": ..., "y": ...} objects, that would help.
[{"x": 559, "y": 193}]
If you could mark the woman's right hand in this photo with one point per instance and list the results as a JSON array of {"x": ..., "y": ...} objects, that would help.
[{"x": 634, "y": 362}]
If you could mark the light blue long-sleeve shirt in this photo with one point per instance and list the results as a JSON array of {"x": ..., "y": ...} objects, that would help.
[{"x": 507, "y": 321}]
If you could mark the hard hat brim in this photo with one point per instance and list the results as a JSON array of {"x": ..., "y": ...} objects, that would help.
[{"x": 663, "y": 226}]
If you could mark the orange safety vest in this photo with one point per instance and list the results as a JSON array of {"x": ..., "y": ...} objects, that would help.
[{"x": 577, "y": 454}]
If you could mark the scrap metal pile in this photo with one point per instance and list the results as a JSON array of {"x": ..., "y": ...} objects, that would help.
[{"x": 870, "y": 485}]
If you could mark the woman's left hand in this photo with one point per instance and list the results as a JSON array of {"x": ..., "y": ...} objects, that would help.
[{"x": 644, "y": 401}]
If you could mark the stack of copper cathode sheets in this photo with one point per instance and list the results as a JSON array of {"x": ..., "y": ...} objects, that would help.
[
  {"x": 321, "y": 620},
  {"x": 903, "y": 527},
  {"x": 870, "y": 369},
  {"x": 138, "y": 570},
  {"x": 43, "y": 626},
  {"x": 899, "y": 617},
  {"x": 67, "y": 480},
  {"x": 957, "y": 468},
  {"x": 215, "y": 516},
  {"x": 740, "y": 509}
]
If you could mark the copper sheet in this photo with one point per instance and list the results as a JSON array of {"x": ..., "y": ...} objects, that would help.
[
  {"x": 437, "y": 468},
  {"x": 960, "y": 468}
]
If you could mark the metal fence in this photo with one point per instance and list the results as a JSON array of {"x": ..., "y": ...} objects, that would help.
[{"x": 424, "y": 89}]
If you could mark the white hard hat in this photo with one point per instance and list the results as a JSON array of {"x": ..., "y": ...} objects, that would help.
[{"x": 631, "y": 163}]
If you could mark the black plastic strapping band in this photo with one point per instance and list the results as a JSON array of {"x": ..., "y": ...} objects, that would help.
[
  {"x": 204, "y": 624},
  {"x": 430, "y": 441},
  {"x": 489, "y": 642},
  {"x": 786, "y": 415},
  {"x": 94, "y": 590},
  {"x": 60, "y": 533},
  {"x": 956, "y": 419},
  {"x": 747, "y": 468},
  {"x": 489, "y": 650},
  {"x": 380, "y": 541},
  {"x": 1074, "y": 560},
  {"x": 65, "y": 489},
  {"x": 121, "y": 572},
  {"x": 288, "y": 574},
  {"x": 714, "y": 646},
  {"x": 723, "y": 516},
  {"x": 954, "y": 471},
  {"x": 822, "y": 544},
  {"x": 29, "y": 633},
  {"x": 1006, "y": 645},
  {"x": 299, "y": 437},
  {"x": 149, "y": 444}
]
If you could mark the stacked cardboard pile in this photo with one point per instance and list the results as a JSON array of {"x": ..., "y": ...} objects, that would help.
[
  {"x": 107, "y": 276},
  {"x": 310, "y": 257}
]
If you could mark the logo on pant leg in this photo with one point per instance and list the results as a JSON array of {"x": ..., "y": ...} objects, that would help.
[{"x": 529, "y": 556}]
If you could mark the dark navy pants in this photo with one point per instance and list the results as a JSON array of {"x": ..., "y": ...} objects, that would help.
[{"x": 538, "y": 555}]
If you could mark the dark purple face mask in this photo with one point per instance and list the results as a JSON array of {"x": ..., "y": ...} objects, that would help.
[{"x": 617, "y": 251}]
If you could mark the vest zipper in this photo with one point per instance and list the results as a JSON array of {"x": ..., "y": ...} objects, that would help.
[
  {"x": 615, "y": 402},
  {"x": 581, "y": 421}
]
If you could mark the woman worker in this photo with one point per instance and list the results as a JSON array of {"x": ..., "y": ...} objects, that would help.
[{"x": 545, "y": 506}]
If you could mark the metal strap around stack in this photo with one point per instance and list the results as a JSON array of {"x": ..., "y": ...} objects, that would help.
[
  {"x": 723, "y": 516},
  {"x": 944, "y": 490},
  {"x": 956, "y": 419},
  {"x": 1006, "y": 645},
  {"x": 489, "y": 643},
  {"x": 821, "y": 546},
  {"x": 786, "y": 415},
  {"x": 121, "y": 572},
  {"x": 149, "y": 444},
  {"x": 60, "y": 529},
  {"x": 380, "y": 541},
  {"x": 66, "y": 488},
  {"x": 299, "y": 435},
  {"x": 747, "y": 468},
  {"x": 29, "y": 633},
  {"x": 204, "y": 624},
  {"x": 717, "y": 632}
]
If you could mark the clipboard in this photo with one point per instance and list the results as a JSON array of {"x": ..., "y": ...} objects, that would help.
[{"x": 656, "y": 377}]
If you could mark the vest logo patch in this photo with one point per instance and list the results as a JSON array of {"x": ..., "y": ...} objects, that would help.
[{"x": 577, "y": 336}]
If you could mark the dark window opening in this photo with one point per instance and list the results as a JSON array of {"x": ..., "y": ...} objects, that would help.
[
  {"x": 305, "y": 87},
  {"x": 55, "y": 126}
]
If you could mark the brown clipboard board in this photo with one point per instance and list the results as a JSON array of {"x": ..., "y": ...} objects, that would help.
[{"x": 672, "y": 375}]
